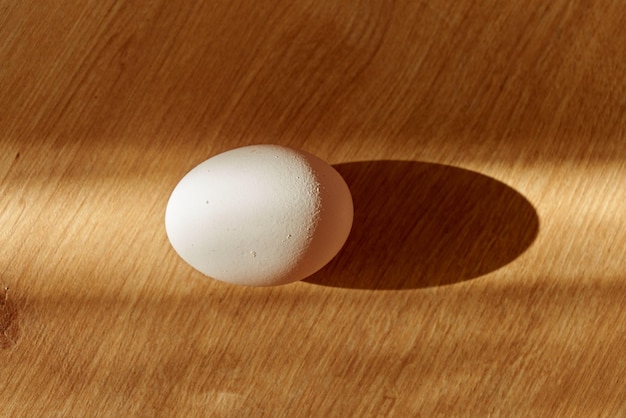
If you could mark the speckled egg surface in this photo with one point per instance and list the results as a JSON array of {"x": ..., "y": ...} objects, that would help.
[{"x": 259, "y": 215}]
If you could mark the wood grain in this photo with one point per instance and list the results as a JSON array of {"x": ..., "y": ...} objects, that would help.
[{"x": 485, "y": 145}]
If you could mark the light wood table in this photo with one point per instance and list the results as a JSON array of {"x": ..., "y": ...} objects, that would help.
[{"x": 485, "y": 146}]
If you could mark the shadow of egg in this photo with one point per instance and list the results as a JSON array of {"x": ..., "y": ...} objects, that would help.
[{"x": 420, "y": 224}]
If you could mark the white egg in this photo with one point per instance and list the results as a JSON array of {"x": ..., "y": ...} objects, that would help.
[{"x": 259, "y": 215}]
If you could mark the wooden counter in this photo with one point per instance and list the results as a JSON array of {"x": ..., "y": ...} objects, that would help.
[{"x": 485, "y": 146}]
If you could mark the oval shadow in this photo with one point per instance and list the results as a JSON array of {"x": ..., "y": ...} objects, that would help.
[{"x": 421, "y": 224}]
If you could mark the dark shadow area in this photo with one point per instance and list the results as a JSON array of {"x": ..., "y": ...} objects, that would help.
[
  {"x": 9, "y": 324},
  {"x": 420, "y": 224}
]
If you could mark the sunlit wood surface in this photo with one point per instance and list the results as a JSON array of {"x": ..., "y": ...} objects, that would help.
[{"x": 484, "y": 143}]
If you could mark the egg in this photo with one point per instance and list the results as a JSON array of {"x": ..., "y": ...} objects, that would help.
[{"x": 259, "y": 215}]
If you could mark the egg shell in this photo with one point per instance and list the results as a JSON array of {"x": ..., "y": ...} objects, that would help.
[{"x": 259, "y": 215}]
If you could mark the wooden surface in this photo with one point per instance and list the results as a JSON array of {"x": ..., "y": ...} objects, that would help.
[{"x": 485, "y": 145}]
